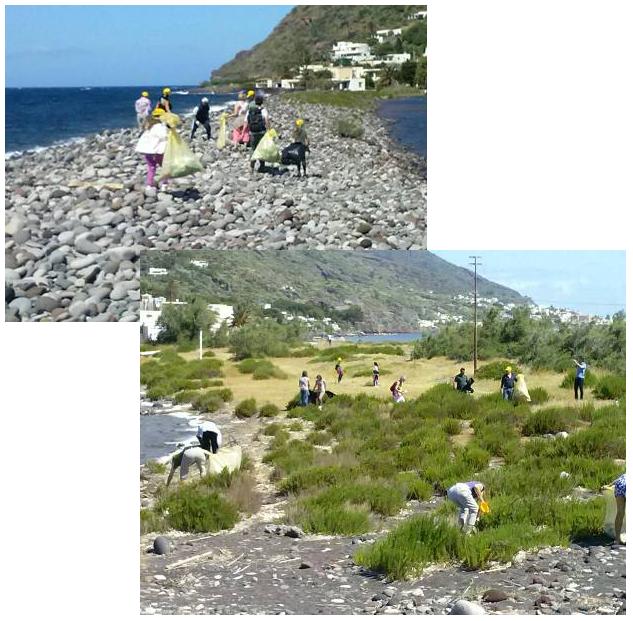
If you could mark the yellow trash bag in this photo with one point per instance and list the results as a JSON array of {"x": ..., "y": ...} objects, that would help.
[
  {"x": 484, "y": 507},
  {"x": 611, "y": 510},
  {"x": 179, "y": 160},
  {"x": 267, "y": 149},
  {"x": 221, "y": 141},
  {"x": 170, "y": 119}
]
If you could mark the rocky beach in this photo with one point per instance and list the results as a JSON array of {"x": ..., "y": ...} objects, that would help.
[
  {"x": 263, "y": 566},
  {"x": 79, "y": 216}
]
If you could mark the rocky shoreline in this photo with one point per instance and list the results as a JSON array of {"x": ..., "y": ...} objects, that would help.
[{"x": 79, "y": 216}]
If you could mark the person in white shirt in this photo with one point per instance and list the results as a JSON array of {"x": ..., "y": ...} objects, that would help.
[
  {"x": 186, "y": 458},
  {"x": 209, "y": 436},
  {"x": 319, "y": 389},
  {"x": 142, "y": 105},
  {"x": 152, "y": 144},
  {"x": 304, "y": 388}
]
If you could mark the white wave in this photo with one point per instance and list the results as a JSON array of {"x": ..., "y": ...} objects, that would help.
[
  {"x": 38, "y": 148},
  {"x": 180, "y": 93}
]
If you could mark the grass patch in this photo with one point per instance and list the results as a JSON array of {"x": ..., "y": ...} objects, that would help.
[
  {"x": 496, "y": 370},
  {"x": 610, "y": 387},
  {"x": 268, "y": 410},
  {"x": 538, "y": 395},
  {"x": 549, "y": 420},
  {"x": 351, "y": 99},
  {"x": 349, "y": 128},
  {"x": 155, "y": 467},
  {"x": 568, "y": 381},
  {"x": 246, "y": 408},
  {"x": 295, "y": 425},
  {"x": 261, "y": 369}
]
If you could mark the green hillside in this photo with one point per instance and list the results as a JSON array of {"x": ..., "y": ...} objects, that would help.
[
  {"x": 307, "y": 34},
  {"x": 394, "y": 289}
]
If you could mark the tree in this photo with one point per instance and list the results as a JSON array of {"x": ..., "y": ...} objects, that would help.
[
  {"x": 408, "y": 72},
  {"x": 171, "y": 291},
  {"x": 388, "y": 76},
  {"x": 183, "y": 322},
  {"x": 420, "y": 73},
  {"x": 241, "y": 315}
]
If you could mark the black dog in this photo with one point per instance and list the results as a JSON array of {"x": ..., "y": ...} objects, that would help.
[
  {"x": 295, "y": 154},
  {"x": 313, "y": 396}
]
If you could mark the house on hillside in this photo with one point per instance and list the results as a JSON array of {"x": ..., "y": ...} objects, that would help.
[
  {"x": 224, "y": 313},
  {"x": 418, "y": 15},
  {"x": 381, "y": 35},
  {"x": 348, "y": 78},
  {"x": 157, "y": 271},
  {"x": 290, "y": 83},
  {"x": 199, "y": 263},
  {"x": 349, "y": 50}
]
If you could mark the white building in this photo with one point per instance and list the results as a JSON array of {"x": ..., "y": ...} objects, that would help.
[
  {"x": 418, "y": 15},
  {"x": 157, "y": 271},
  {"x": 381, "y": 35},
  {"x": 351, "y": 51},
  {"x": 397, "y": 59},
  {"x": 149, "y": 327},
  {"x": 224, "y": 313}
]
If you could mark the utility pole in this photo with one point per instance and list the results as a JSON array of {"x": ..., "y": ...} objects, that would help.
[{"x": 475, "y": 263}]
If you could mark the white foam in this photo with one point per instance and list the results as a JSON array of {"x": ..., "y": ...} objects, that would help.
[{"x": 38, "y": 148}]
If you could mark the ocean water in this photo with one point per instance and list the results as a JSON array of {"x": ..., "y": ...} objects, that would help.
[
  {"x": 41, "y": 117},
  {"x": 160, "y": 434},
  {"x": 407, "y": 117},
  {"x": 398, "y": 337}
]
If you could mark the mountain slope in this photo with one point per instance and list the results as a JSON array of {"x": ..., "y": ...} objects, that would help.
[
  {"x": 394, "y": 289},
  {"x": 306, "y": 34}
]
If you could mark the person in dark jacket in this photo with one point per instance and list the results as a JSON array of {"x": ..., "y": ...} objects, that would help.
[
  {"x": 202, "y": 118},
  {"x": 258, "y": 123},
  {"x": 507, "y": 384},
  {"x": 462, "y": 383}
]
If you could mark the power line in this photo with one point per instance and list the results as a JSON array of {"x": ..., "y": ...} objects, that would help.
[{"x": 475, "y": 264}]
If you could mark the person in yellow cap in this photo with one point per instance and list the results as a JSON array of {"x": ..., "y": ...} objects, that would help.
[
  {"x": 165, "y": 102},
  {"x": 299, "y": 133},
  {"x": 339, "y": 370},
  {"x": 152, "y": 144},
  {"x": 142, "y": 105},
  {"x": 250, "y": 96},
  {"x": 507, "y": 384}
]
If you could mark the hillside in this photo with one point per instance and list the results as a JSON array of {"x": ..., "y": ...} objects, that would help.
[
  {"x": 394, "y": 289},
  {"x": 306, "y": 34}
]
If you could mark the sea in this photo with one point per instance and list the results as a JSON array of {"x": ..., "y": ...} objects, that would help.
[
  {"x": 37, "y": 118},
  {"x": 41, "y": 117},
  {"x": 396, "y": 337},
  {"x": 161, "y": 434},
  {"x": 407, "y": 117}
]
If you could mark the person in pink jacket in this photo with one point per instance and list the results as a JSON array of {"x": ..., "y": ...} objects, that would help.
[{"x": 152, "y": 144}]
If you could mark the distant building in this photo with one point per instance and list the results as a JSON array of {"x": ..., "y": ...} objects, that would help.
[
  {"x": 349, "y": 78},
  {"x": 199, "y": 263},
  {"x": 157, "y": 271},
  {"x": 418, "y": 15},
  {"x": 397, "y": 59},
  {"x": 224, "y": 313},
  {"x": 290, "y": 84},
  {"x": 381, "y": 35},
  {"x": 149, "y": 324},
  {"x": 351, "y": 51}
]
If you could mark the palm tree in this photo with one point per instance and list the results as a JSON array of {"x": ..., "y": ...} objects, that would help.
[{"x": 241, "y": 315}]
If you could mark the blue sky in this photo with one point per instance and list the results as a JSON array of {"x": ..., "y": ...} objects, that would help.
[
  {"x": 586, "y": 281},
  {"x": 128, "y": 45}
]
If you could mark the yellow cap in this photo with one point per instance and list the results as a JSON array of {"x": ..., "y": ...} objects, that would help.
[
  {"x": 299, "y": 122},
  {"x": 144, "y": 94},
  {"x": 166, "y": 91},
  {"x": 158, "y": 112},
  {"x": 250, "y": 94},
  {"x": 508, "y": 368}
]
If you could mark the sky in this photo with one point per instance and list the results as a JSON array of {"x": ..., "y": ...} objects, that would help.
[
  {"x": 590, "y": 282},
  {"x": 128, "y": 45}
]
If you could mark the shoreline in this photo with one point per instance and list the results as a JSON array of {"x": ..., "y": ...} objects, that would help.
[{"x": 78, "y": 217}]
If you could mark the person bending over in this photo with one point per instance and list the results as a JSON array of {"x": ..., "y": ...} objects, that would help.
[
  {"x": 209, "y": 436},
  {"x": 186, "y": 458}
]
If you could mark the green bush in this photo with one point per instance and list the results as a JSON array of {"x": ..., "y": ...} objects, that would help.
[
  {"x": 272, "y": 429},
  {"x": 316, "y": 476},
  {"x": 413, "y": 486},
  {"x": 212, "y": 400},
  {"x": 496, "y": 370},
  {"x": 349, "y": 128},
  {"x": 538, "y": 395},
  {"x": 186, "y": 396},
  {"x": 319, "y": 438},
  {"x": 304, "y": 352},
  {"x": 337, "y": 520},
  {"x": 295, "y": 425},
  {"x": 346, "y": 352},
  {"x": 268, "y": 410},
  {"x": 610, "y": 387},
  {"x": 246, "y": 408},
  {"x": 209, "y": 354},
  {"x": 261, "y": 369},
  {"x": 549, "y": 420},
  {"x": 155, "y": 467},
  {"x": 451, "y": 426},
  {"x": 263, "y": 338}
]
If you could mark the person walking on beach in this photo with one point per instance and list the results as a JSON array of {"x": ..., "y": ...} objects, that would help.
[
  {"x": 239, "y": 131},
  {"x": 300, "y": 135},
  {"x": 152, "y": 144},
  {"x": 339, "y": 370},
  {"x": 304, "y": 389},
  {"x": 579, "y": 380},
  {"x": 209, "y": 436},
  {"x": 258, "y": 123},
  {"x": 165, "y": 101},
  {"x": 619, "y": 492},
  {"x": 143, "y": 107},
  {"x": 202, "y": 118},
  {"x": 467, "y": 497},
  {"x": 319, "y": 389},
  {"x": 376, "y": 373},
  {"x": 507, "y": 384},
  {"x": 186, "y": 458}
]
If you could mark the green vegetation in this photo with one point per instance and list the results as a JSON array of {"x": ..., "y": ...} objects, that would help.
[
  {"x": 538, "y": 395},
  {"x": 261, "y": 369},
  {"x": 568, "y": 381},
  {"x": 355, "y": 100},
  {"x": 539, "y": 343},
  {"x": 155, "y": 467},
  {"x": 495, "y": 370},
  {"x": 349, "y": 128},
  {"x": 182, "y": 324},
  {"x": 168, "y": 373},
  {"x": 269, "y": 410},
  {"x": 550, "y": 420},
  {"x": 347, "y": 352},
  {"x": 204, "y": 505},
  {"x": 610, "y": 387},
  {"x": 265, "y": 338},
  {"x": 246, "y": 408}
]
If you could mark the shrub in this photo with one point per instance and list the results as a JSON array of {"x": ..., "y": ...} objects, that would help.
[
  {"x": 185, "y": 396},
  {"x": 261, "y": 369},
  {"x": 495, "y": 370},
  {"x": 272, "y": 429},
  {"x": 304, "y": 352},
  {"x": 295, "y": 426},
  {"x": 316, "y": 476},
  {"x": 349, "y": 128},
  {"x": 288, "y": 456},
  {"x": 209, "y": 354},
  {"x": 413, "y": 486},
  {"x": 337, "y": 520},
  {"x": 610, "y": 387},
  {"x": 155, "y": 467},
  {"x": 451, "y": 426},
  {"x": 268, "y": 410},
  {"x": 319, "y": 438},
  {"x": 549, "y": 420},
  {"x": 538, "y": 395},
  {"x": 246, "y": 408},
  {"x": 152, "y": 522},
  {"x": 211, "y": 400},
  {"x": 197, "y": 509}
]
